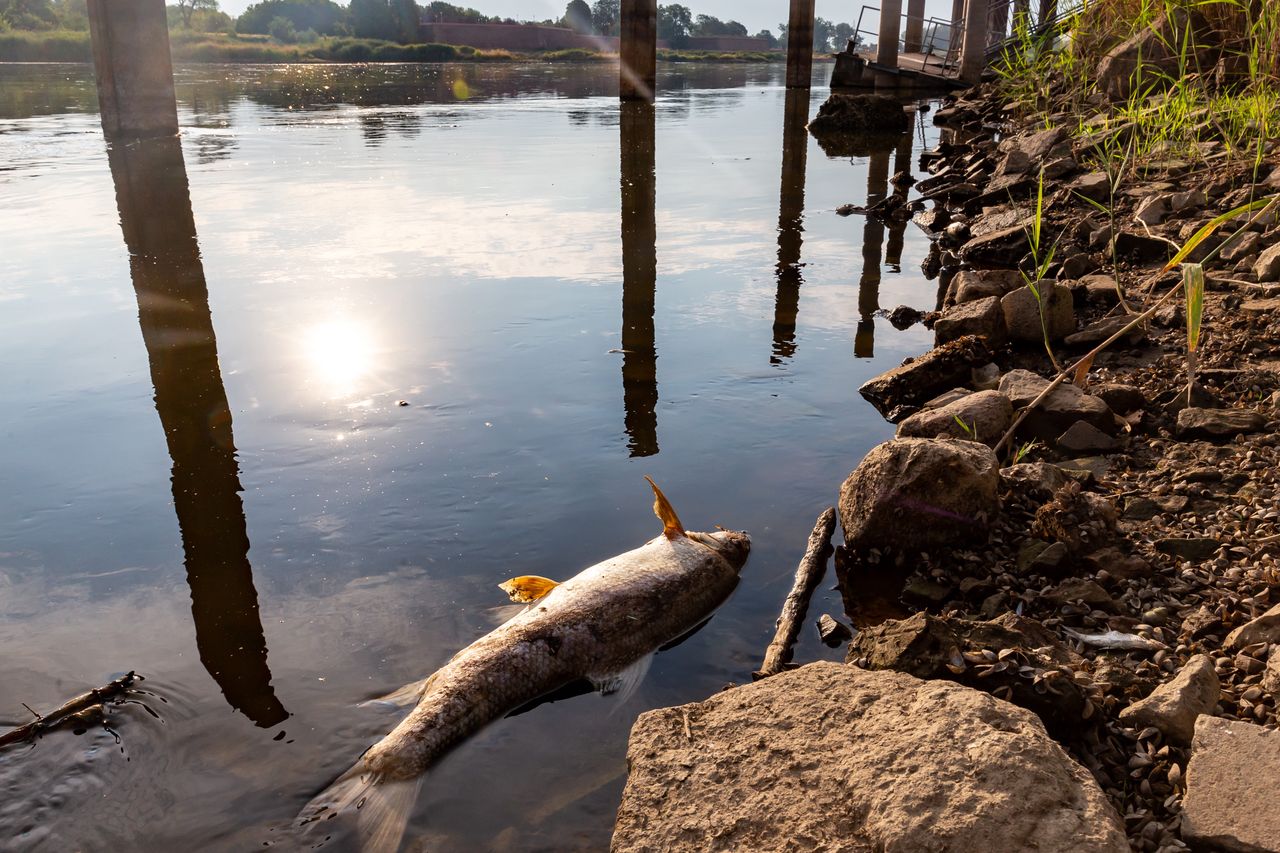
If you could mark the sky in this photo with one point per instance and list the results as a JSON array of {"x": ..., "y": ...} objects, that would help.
[{"x": 754, "y": 14}]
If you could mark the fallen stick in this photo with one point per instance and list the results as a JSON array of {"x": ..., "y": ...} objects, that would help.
[
  {"x": 813, "y": 565},
  {"x": 96, "y": 696}
]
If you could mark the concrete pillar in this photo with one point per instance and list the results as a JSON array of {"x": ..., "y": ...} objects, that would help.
[
  {"x": 913, "y": 34},
  {"x": 639, "y": 277},
  {"x": 177, "y": 330},
  {"x": 800, "y": 44},
  {"x": 890, "y": 27},
  {"x": 133, "y": 69},
  {"x": 795, "y": 149},
  {"x": 973, "y": 50},
  {"x": 897, "y": 226},
  {"x": 638, "y": 50}
]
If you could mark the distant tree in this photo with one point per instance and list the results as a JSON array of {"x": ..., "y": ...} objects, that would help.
[
  {"x": 372, "y": 19},
  {"x": 577, "y": 16},
  {"x": 822, "y": 31},
  {"x": 768, "y": 37},
  {"x": 604, "y": 17},
  {"x": 675, "y": 22},
  {"x": 323, "y": 16},
  {"x": 841, "y": 35},
  {"x": 408, "y": 17},
  {"x": 188, "y": 8},
  {"x": 28, "y": 14},
  {"x": 447, "y": 13},
  {"x": 282, "y": 30},
  {"x": 72, "y": 14}
]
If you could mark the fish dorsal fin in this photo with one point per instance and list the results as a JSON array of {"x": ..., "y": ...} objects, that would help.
[
  {"x": 527, "y": 588},
  {"x": 671, "y": 526}
]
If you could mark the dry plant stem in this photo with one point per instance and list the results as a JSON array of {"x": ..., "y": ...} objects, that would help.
[
  {"x": 813, "y": 565},
  {"x": 96, "y": 696}
]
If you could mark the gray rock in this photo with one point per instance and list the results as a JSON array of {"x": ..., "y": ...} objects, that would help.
[
  {"x": 1271, "y": 677},
  {"x": 985, "y": 378},
  {"x": 1082, "y": 437},
  {"x": 859, "y": 114},
  {"x": 1218, "y": 423},
  {"x": 971, "y": 285},
  {"x": 1263, "y": 629},
  {"x": 1122, "y": 399},
  {"x": 1036, "y": 148},
  {"x": 832, "y": 757},
  {"x": 1040, "y": 476},
  {"x": 1022, "y": 312},
  {"x": 831, "y": 631},
  {"x": 983, "y": 318},
  {"x": 1144, "y": 56},
  {"x": 1086, "y": 469},
  {"x": 1267, "y": 267},
  {"x": 1247, "y": 245},
  {"x": 1003, "y": 249},
  {"x": 1152, "y": 210},
  {"x": 1084, "y": 591},
  {"x": 899, "y": 392},
  {"x": 1095, "y": 186},
  {"x": 1193, "y": 549},
  {"x": 915, "y": 494},
  {"x": 1100, "y": 288},
  {"x": 1173, "y": 706},
  {"x": 1100, "y": 330},
  {"x": 1063, "y": 407},
  {"x": 986, "y": 414},
  {"x": 1189, "y": 200},
  {"x": 1051, "y": 562},
  {"x": 947, "y": 397},
  {"x": 1232, "y": 779},
  {"x": 1077, "y": 265}
]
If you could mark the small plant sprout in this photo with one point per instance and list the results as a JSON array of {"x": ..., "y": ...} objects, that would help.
[
  {"x": 1193, "y": 288},
  {"x": 1040, "y": 261},
  {"x": 970, "y": 430}
]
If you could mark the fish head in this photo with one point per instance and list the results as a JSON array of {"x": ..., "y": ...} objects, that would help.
[{"x": 733, "y": 545}]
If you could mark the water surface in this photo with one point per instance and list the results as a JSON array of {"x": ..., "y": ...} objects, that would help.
[{"x": 287, "y": 398}]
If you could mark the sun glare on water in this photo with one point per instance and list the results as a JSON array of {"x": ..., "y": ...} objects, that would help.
[{"x": 341, "y": 357}]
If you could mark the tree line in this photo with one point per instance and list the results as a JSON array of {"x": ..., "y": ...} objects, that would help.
[{"x": 397, "y": 20}]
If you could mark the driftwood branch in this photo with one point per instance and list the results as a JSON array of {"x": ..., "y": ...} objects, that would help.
[
  {"x": 96, "y": 696},
  {"x": 813, "y": 565}
]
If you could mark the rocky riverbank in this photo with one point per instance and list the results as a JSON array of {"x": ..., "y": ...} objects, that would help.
[{"x": 1084, "y": 520}]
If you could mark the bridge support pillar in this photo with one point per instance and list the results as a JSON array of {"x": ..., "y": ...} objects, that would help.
[
  {"x": 638, "y": 50},
  {"x": 913, "y": 35},
  {"x": 887, "y": 49},
  {"x": 973, "y": 52},
  {"x": 800, "y": 44},
  {"x": 133, "y": 69}
]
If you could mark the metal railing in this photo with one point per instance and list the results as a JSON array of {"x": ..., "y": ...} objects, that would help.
[{"x": 938, "y": 46}]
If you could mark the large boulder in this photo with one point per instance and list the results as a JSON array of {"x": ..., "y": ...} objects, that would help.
[
  {"x": 971, "y": 285},
  {"x": 919, "y": 493},
  {"x": 1232, "y": 779},
  {"x": 855, "y": 125},
  {"x": 831, "y": 757},
  {"x": 1262, "y": 629},
  {"x": 903, "y": 390},
  {"x": 983, "y": 318},
  {"x": 983, "y": 417},
  {"x": 1218, "y": 423}
]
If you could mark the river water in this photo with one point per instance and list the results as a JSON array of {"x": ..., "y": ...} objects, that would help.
[{"x": 285, "y": 400}]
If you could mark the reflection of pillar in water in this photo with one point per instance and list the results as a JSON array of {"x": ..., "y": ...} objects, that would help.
[
  {"x": 898, "y": 225},
  {"x": 177, "y": 329},
  {"x": 872, "y": 240},
  {"x": 639, "y": 277},
  {"x": 795, "y": 145}
]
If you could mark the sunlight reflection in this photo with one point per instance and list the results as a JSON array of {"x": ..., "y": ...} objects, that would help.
[{"x": 341, "y": 356}]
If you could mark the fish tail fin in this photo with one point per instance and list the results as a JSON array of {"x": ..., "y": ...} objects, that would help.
[
  {"x": 377, "y": 808},
  {"x": 527, "y": 588},
  {"x": 671, "y": 526}
]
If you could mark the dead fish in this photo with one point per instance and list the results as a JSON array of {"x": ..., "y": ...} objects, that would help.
[
  {"x": 602, "y": 625},
  {"x": 1116, "y": 640}
]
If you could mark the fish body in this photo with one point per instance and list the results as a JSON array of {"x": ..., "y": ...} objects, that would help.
[
  {"x": 1116, "y": 640},
  {"x": 597, "y": 625},
  {"x": 593, "y": 626}
]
